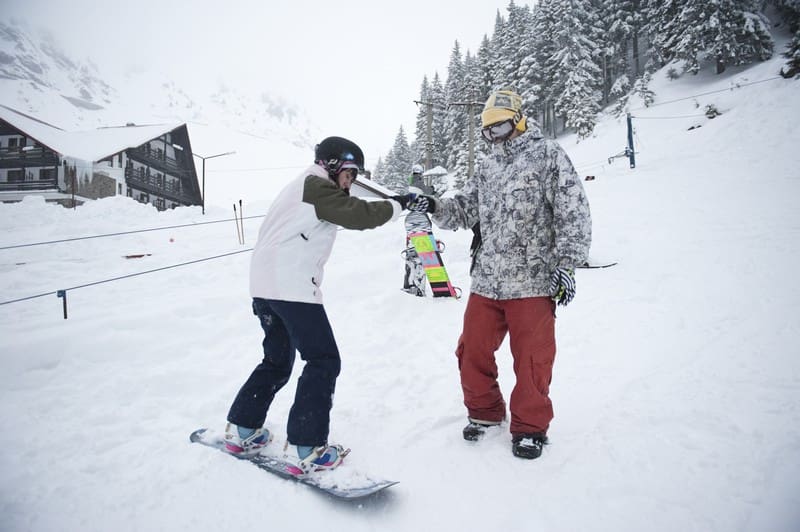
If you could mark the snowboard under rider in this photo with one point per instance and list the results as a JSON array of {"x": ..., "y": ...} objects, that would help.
[
  {"x": 534, "y": 230},
  {"x": 286, "y": 272}
]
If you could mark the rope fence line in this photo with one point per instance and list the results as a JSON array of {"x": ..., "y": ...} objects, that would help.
[
  {"x": 126, "y": 232},
  {"x": 667, "y": 117},
  {"x": 592, "y": 165},
  {"x": 736, "y": 86},
  {"x": 63, "y": 292},
  {"x": 727, "y": 89}
]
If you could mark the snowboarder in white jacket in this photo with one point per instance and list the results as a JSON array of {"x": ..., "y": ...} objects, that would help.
[
  {"x": 286, "y": 273},
  {"x": 535, "y": 229}
]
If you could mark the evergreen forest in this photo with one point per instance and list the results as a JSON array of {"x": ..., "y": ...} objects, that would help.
[{"x": 572, "y": 59}]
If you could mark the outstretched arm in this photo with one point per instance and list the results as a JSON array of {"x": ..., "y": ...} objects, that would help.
[{"x": 334, "y": 205}]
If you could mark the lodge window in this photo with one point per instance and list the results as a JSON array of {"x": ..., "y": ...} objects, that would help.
[
  {"x": 16, "y": 176},
  {"x": 47, "y": 174}
]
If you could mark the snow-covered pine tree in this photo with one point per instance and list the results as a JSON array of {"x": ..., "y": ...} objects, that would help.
[
  {"x": 620, "y": 23},
  {"x": 485, "y": 58},
  {"x": 495, "y": 59},
  {"x": 663, "y": 28},
  {"x": 378, "y": 171},
  {"x": 789, "y": 11},
  {"x": 577, "y": 77},
  {"x": 419, "y": 152},
  {"x": 793, "y": 54},
  {"x": 522, "y": 70},
  {"x": 727, "y": 32},
  {"x": 475, "y": 92},
  {"x": 398, "y": 163},
  {"x": 437, "y": 96},
  {"x": 455, "y": 120},
  {"x": 513, "y": 46},
  {"x": 543, "y": 32},
  {"x": 482, "y": 83}
]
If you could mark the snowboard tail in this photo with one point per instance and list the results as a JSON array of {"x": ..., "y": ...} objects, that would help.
[
  {"x": 592, "y": 266},
  {"x": 340, "y": 482}
]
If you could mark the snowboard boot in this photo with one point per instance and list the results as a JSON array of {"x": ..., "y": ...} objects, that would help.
[
  {"x": 414, "y": 280},
  {"x": 414, "y": 291},
  {"x": 303, "y": 459},
  {"x": 528, "y": 445},
  {"x": 245, "y": 442},
  {"x": 476, "y": 428}
]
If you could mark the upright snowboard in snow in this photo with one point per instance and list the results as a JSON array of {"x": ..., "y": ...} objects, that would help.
[
  {"x": 340, "y": 482},
  {"x": 428, "y": 251},
  {"x": 414, "y": 280},
  {"x": 424, "y": 251}
]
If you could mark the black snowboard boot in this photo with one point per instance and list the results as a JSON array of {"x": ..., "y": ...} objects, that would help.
[
  {"x": 475, "y": 430},
  {"x": 528, "y": 445}
]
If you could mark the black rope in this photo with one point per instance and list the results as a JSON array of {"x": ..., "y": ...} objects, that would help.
[
  {"x": 665, "y": 117},
  {"x": 57, "y": 292},
  {"x": 737, "y": 86},
  {"x": 124, "y": 233}
]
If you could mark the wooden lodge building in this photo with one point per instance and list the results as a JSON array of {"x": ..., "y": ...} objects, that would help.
[{"x": 151, "y": 164}]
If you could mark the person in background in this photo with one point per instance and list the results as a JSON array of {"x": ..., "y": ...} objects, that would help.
[
  {"x": 416, "y": 182},
  {"x": 535, "y": 229},
  {"x": 286, "y": 273}
]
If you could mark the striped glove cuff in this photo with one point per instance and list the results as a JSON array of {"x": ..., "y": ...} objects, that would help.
[{"x": 562, "y": 285}]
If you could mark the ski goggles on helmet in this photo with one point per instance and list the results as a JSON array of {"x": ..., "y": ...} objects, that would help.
[
  {"x": 500, "y": 131},
  {"x": 351, "y": 168}
]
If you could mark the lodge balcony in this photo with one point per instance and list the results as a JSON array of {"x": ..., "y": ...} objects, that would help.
[
  {"x": 157, "y": 158},
  {"x": 159, "y": 186},
  {"x": 46, "y": 184},
  {"x": 27, "y": 157}
]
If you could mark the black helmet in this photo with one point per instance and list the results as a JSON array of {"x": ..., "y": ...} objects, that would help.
[{"x": 335, "y": 153}]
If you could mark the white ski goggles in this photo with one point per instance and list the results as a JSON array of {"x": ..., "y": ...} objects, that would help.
[{"x": 500, "y": 131}]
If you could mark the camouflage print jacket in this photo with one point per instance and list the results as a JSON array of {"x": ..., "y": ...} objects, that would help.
[{"x": 533, "y": 214}]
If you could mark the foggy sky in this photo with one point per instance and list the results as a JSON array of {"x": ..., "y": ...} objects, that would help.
[{"x": 354, "y": 65}]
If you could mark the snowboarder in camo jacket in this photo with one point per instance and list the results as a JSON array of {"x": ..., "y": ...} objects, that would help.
[{"x": 535, "y": 229}]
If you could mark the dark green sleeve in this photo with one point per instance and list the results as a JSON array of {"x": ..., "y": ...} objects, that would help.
[{"x": 333, "y": 205}]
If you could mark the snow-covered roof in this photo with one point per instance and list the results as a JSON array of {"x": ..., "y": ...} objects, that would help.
[
  {"x": 436, "y": 170},
  {"x": 91, "y": 145}
]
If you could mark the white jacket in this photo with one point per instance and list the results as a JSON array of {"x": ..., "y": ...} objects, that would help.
[{"x": 298, "y": 232}]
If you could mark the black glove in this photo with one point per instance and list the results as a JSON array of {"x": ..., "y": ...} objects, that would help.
[
  {"x": 562, "y": 285},
  {"x": 404, "y": 200},
  {"x": 422, "y": 204}
]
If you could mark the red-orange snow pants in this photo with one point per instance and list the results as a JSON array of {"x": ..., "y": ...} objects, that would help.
[{"x": 530, "y": 323}]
